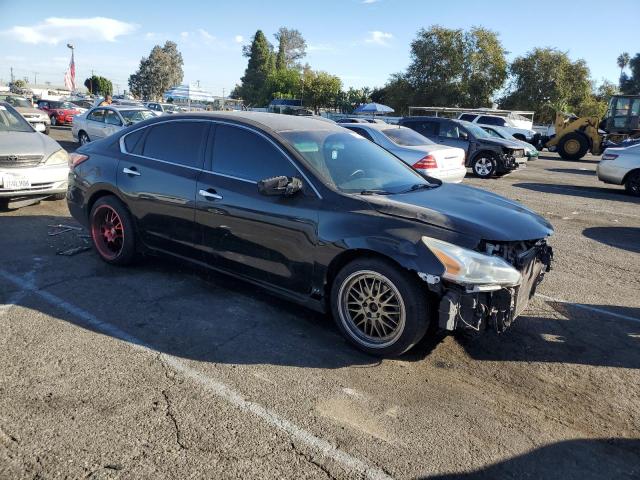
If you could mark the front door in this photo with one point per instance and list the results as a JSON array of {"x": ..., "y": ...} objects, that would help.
[
  {"x": 95, "y": 124},
  {"x": 453, "y": 135},
  {"x": 112, "y": 123},
  {"x": 266, "y": 238},
  {"x": 158, "y": 182}
]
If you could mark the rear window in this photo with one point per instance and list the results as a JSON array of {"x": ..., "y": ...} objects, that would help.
[
  {"x": 468, "y": 117},
  {"x": 177, "y": 142},
  {"x": 501, "y": 122},
  {"x": 425, "y": 128},
  {"x": 132, "y": 143},
  {"x": 406, "y": 137}
]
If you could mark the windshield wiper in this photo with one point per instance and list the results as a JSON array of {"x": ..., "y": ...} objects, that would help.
[
  {"x": 420, "y": 186},
  {"x": 374, "y": 192}
]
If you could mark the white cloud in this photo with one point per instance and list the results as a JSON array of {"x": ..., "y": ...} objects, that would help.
[
  {"x": 55, "y": 30},
  {"x": 184, "y": 34},
  {"x": 238, "y": 39},
  {"x": 369, "y": 2},
  {"x": 206, "y": 35},
  {"x": 378, "y": 38}
]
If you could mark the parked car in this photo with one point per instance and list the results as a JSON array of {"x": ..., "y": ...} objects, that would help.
[
  {"x": 523, "y": 134},
  {"x": 32, "y": 165},
  {"x": 437, "y": 161},
  {"x": 621, "y": 166},
  {"x": 500, "y": 132},
  {"x": 37, "y": 118},
  {"x": 314, "y": 213},
  {"x": 162, "y": 108},
  {"x": 486, "y": 155},
  {"x": 60, "y": 113},
  {"x": 83, "y": 104},
  {"x": 352, "y": 120},
  {"x": 100, "y": 122}
]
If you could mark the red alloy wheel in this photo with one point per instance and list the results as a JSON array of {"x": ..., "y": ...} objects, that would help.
[{"x": 107, "y": 231}]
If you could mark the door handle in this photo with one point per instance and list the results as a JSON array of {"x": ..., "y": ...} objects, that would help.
[
  {"x": 131, "y": 171},
  {"x": 211, "y": 195}
]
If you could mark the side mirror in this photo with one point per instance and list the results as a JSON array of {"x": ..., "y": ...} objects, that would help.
[{"x": 280, "y": 186}]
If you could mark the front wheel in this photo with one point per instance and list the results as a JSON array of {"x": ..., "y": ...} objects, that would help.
[
  {"x": 378, "y": 307},
  {"x": 573, "y": 146},
  {"x": 483, "y": 166},
  {"x": 632, "y": 184},
  {"x": 112, "y": 231},
  {"x": 54, "y": 121},
  {"x": 83, "y": 138}
]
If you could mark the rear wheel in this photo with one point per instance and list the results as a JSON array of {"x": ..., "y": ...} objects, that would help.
[
  {"x": 112, "y": 231},
  {"x": 378, "y": 307},
  {"x": 573, "y": 146},
  {"x": 47, "y": 129},
  {"x": 54, "y": 121},
  {"x": 484, "y": 165},
  {"x": 83, "y": 138},
  {"x": 632, "y": 183}
]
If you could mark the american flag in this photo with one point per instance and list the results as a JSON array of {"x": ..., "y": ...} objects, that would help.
[{"x": 70, "y": 75}]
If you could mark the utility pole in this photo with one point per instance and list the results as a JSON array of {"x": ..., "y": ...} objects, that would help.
[
  {"x": 198, "y": 83},
  {"x": 35, "y": 78},
  {"x": 223, "y": 99},
  {"x": 12, "y": 79}
]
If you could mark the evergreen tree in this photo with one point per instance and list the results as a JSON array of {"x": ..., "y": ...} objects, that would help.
[{"x": 261, "y": 64}]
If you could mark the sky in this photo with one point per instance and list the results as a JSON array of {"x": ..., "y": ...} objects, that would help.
[{"x": 361, "y": 41}]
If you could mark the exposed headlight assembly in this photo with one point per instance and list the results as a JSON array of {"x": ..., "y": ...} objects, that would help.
[
  {"x": 471, "y": 268},
  {"x": 58, "y": 158}
]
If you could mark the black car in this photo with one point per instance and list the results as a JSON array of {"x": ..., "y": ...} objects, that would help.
[
  {"x": 315, "y": 213},
  {"x": 486, "y": 155}
]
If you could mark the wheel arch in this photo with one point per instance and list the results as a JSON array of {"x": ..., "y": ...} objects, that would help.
[
  {"x": 100, "y": 193},
  {"x": 628, "y": 174}
]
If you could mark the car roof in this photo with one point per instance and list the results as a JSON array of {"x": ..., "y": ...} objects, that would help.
[
  {"x": 371, "y": 126},
  {"x": 123, "y": 107}
]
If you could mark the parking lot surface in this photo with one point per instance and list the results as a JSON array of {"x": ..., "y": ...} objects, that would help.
[{"x": 165, "y": 371}]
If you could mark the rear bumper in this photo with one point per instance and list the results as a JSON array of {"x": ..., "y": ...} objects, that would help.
[
  {"x": 44, "y": 180},
  {"x": 476, "y": 311},
  {"x": 454, "y": 175},
  {"x": 608, "y": 172}
]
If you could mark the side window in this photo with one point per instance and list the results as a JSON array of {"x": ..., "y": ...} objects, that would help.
[
  {"x": 96, "y": 115},
  {"x": 177, "y": 142},
  {"x": 428, "y": 129},
  {"x": 468, "y": 117},
  {"x": 112, "y": 118},
  {"x": 500, "y": 122},
  {"x": 362, "y": 132},
  {"x": 244, "y": 154},
  {"x": 449, "y": 130},
  {"x": 132, "y": 142}
]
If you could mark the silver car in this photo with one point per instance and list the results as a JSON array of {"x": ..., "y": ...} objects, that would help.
[
  {"x": 621, "y": 166},
  {"x": 36, "y": 117},
  {"x": 32, "y": 165},
  {"x": 100, "y": 122},
  {"x": 438, "y": 161}
]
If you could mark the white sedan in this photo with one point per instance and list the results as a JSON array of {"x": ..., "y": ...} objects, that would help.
[
  {"x": 621, "y": 166},
  {"x": 438, "y": 161},
  {"x": 100, "y": 122}
]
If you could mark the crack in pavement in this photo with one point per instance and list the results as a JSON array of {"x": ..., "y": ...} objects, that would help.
[
  {"x": 171, "y": 415},
  {"x": 309, "y": 459}
]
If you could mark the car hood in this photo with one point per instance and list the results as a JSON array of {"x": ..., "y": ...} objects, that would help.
[
  {"x": 467, "y": 210},
  {"x": 500, "y": 142},
  {"x": 29, "y": 110},
  {"x": 27, "y": 143}
]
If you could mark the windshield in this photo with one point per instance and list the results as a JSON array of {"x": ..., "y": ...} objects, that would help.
[
  {"x": 17, "y": 101},
  {"x": 65, "y": 105},
  {"x": 475, "y": 130},
  {"x": 492, "y": 133},
  {"x": 406, "y": 137},
  {"x": 170, "y": 108},
  {"x": 12, "y": 121},
  {"x": 135, "y": 116},
  {"x": 353, "y": 164}
]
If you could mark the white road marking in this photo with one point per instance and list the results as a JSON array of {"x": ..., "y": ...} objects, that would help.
[
  {"x": 17, "y": 297},
  {"x": 589, "y": 307},
  {"x": 210, "y": 384}
]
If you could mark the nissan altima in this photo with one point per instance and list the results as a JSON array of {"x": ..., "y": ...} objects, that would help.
[{"x": 315, "y": 213}]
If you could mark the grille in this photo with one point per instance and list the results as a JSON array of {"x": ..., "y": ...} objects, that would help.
[{"x": 19, "y": 161}]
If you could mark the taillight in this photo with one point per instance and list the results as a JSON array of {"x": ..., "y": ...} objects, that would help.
[
  {"x": 425, "y": 163},
  {"x": 609, "y": 156},
  {"x": 76, "y": 159}
]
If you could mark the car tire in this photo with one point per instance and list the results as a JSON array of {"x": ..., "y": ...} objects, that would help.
[
  {"x": 54, "y": 121},
  {"x": 112, "y": 231},
  {"x": 47, "y": 129},
  {"x": 396, "y": 319},
  {"x": 57, "y": 196},
  {"x": 83, "y": 138},
  {"x": 632, "y": 183},
  {"x": 573, "y": 146},
  {"x": 484, "y": 165}
]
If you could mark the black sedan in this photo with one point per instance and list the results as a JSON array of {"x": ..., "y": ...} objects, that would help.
[{"x": 314, "y": 213}]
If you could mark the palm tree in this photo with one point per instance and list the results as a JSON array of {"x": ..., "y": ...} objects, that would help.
[{"x": 623, "y": 61}]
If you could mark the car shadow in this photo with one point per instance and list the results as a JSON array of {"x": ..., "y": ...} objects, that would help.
[
  {"x": 190, "y": 312},
  {"x": 581, "y": 459},
  {"x": 546, "y": 156},
  {"x": 580, "y": 191},
  {"x": 624, "y": 238},
  {"x": 575, "y": 171}
]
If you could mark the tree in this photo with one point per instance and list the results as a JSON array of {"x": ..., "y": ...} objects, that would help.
[
  {"x": 320, "y": 89},
  {"x": 596, "y": 104},
  {"x": 158, "y": 72},
  {"x": 18, "y": 86},
  {"x": 630, "y": 85},
  {"x": 98, "y": 85},
  {"x": 398, "y": 94},
  {"x": 545, "y": 80},
  {"x": 623, "y": 61},
  {"x": 261, "y": 64},
  {"x": 292, "y": 45},
  {"x": 283, "y": 83}
]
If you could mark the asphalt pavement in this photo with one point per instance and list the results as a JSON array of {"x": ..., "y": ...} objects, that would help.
[{"x": 163, "y": 370}]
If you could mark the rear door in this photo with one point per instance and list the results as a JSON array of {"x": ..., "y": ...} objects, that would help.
[
  {"x": 266, "y": 238},
  {"x": 453, "y": 135},
  {"x": 95, "y": 124},
  {"x": 426, "y": 128},
  {"x": 112, "y": 123},
  {"x": 157, "y": 178}
]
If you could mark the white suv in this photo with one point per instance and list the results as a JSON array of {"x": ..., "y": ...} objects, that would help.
[{"x": 496, "y": 121}]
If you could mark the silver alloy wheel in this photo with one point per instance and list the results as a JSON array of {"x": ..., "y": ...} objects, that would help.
[
  {"x": 483, "y": 166},
  {"x": 84, "y": 139},
  {"x": 371, "y": 309}
]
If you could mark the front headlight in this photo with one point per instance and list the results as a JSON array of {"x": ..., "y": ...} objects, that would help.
[
  {"x": 468, "y": 267},
  {"x": 58, "y": 158}
]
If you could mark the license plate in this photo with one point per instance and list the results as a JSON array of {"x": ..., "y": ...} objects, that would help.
[
  {"x": 13, "y": 182},
  {"x": 39, "y": 127}
]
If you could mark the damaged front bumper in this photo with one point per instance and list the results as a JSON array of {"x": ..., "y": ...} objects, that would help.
[{"x": 480, "y": 308}]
